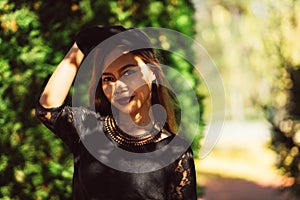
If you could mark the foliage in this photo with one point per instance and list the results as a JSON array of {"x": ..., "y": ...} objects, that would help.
[
  {"x": 35, "y": 35},
  {"x": 255, "y": 44},
  {"x": 283, "y": 112}
]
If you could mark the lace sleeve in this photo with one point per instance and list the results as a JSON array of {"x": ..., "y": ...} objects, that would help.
[
  {"x": 60, "y": 121},
  {"x": 183, "y": 182}
]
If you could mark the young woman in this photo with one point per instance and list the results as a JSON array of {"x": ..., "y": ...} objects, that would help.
[{"x": 126, "y": 83}]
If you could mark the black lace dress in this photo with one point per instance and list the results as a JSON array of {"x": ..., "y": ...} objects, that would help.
[{"x": 94, "y": 179}]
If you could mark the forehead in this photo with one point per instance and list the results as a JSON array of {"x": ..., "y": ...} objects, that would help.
[{"x": 114, "y": 64}]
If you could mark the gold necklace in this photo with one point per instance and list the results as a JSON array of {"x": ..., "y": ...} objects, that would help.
[{"x": 125, "y": 139}]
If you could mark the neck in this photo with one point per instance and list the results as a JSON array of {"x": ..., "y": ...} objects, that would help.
[
  {"x": 140, "y": 117},
  {"x": 136, "y": 123},
  {"x": 134, "y": 120}
]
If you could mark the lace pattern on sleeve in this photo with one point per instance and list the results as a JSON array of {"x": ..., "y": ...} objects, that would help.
[
  {"x": 183, "y": 184},
  {"x": 60, "y": 121}
]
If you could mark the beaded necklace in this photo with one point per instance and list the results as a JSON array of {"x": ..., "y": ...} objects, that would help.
[{"x": 125, "y": 139}]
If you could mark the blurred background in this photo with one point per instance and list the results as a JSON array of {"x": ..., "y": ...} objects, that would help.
[{"x": 254, "y": 44}]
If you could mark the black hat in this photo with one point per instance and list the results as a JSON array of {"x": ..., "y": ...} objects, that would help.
[{"x": 90, "y": 37}]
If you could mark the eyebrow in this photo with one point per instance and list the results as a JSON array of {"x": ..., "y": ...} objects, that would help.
[{"x": 121, "y": 69}]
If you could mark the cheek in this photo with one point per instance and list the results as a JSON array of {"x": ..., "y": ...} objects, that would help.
[
  {"x": 136, "y": 84},
  {"x": 144, "y": 91},
  {"x": 107, "y": 90}
]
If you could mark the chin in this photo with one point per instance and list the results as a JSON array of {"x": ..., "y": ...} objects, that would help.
[{"x": 127, "y": 111}]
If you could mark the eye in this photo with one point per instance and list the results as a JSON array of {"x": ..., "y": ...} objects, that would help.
[
  {"x": 128, "y": 72},
  {"x": 108, "y": 79}
]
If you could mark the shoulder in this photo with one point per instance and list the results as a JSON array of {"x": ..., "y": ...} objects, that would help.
[
  {"x": 175, "y": 141},
  {"x": 84, "y": 115},
  {"x": 177, "y": 146},
  {"x": 83, "y": 112}
]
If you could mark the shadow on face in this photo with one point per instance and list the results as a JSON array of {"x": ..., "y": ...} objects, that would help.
[{"x": 127, "y": 84}]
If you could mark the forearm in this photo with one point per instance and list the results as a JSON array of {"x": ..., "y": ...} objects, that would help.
[{"x": 61, "y": 80}]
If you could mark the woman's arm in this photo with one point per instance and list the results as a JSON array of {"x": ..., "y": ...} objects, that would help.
[{"x": 62, "y": 78}]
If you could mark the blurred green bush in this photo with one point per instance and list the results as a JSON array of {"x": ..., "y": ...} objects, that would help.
[{"x": 34, "y": 37}]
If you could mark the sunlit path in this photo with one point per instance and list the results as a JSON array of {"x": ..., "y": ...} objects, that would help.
[{"x": 240, "y": 158}]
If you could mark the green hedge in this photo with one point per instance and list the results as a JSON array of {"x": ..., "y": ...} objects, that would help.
[{"x": 35, "y": 35}]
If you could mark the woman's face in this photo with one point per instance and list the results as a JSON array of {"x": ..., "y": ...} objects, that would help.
[{"x": 127, "y": 82}]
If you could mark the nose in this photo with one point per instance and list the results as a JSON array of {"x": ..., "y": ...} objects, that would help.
[{"x": 120, "y": 86}]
